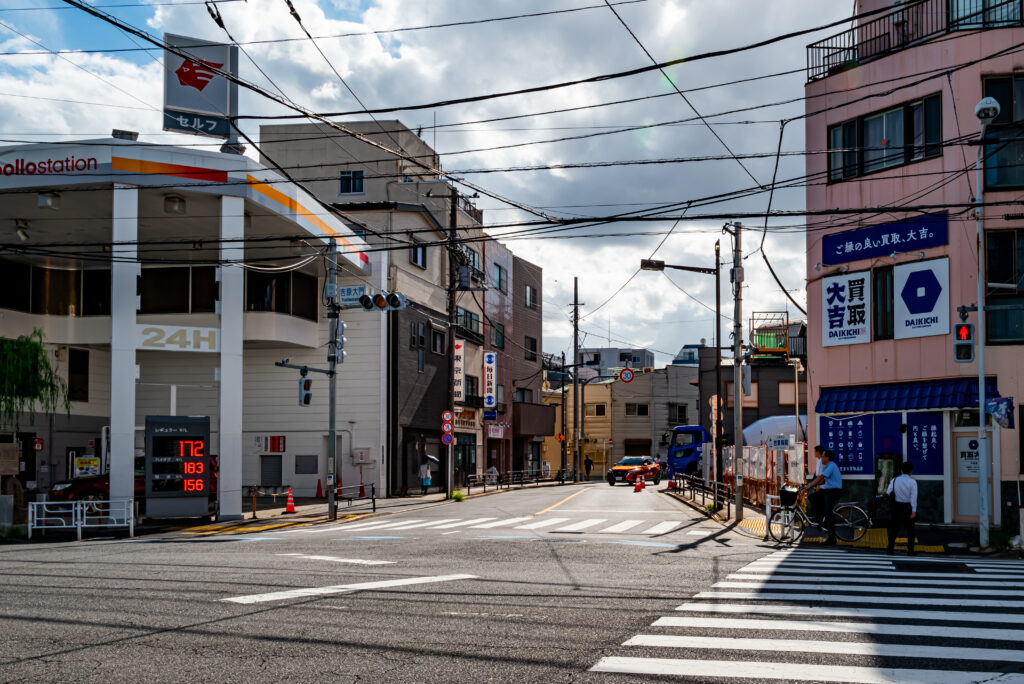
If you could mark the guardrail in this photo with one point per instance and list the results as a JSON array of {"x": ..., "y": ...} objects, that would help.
[
  {"x": 719, "y": 493},
  {"x": 350, "y": 495},
  {"x": 77, "y": 515},
  {"x": 511, "y": 478}
]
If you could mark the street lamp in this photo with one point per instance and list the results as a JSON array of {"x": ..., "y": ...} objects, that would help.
[
  {"x": 657, "y": 265},
  {"x": 986, "y": 111}
]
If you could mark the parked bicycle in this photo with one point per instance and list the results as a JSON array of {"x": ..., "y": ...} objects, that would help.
[{"x": 788, "y": 523}]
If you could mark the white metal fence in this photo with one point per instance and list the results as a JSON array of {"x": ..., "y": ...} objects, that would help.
[{"x": 77, "y": 515}]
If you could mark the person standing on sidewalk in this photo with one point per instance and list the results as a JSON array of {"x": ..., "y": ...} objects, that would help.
[
  {"x": 425, "y": 475},
  {"x": 588, "y": 465},
  {"x": 903, "y": 490}
]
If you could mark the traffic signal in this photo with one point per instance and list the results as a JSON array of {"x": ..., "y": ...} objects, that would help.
[
  {"x": 383, "y": 301},
  {"x": 305, "y": 391},
  {"x": 963, "y": 342}
]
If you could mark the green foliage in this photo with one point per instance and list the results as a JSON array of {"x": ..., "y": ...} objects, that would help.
[
  {"x": 458, "y": 496},
  {"x": 28, "y": 381},
  {"x": 999, "y": 539}
]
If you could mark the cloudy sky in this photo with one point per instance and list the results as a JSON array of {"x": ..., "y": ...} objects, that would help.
[{"x": 103, "y": 80}]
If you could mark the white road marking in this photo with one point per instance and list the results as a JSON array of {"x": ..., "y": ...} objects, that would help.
[
  {"x": 700, "y": 533},
  {"x": 862, "y": 648},
  {"x": 429, "y": 523},
  {"x": 872, "y": 579},
  {"x": 541, "y": 523},
  {"x": 350, "y": 561},
  {"x": 832, "y": 563},
  {"x": 620, "y": 527},
  {"x": 663, "y": 527},
  {"x": 827, "y": 595},
  {"x": 501, "y": 523},
  {"x": 843, "y": 627},
  {"x": 873, "y": 573},
  {"x": 972, "y": 591},
  {"x": 581, "y": 525},
  {"x": 377, "y": 525},
  {"x": 795, "y": 672},
  {"x": 343, "y": 588},
  {"x": 873, "y": 613},
  {"x": 462, "y": 523}
]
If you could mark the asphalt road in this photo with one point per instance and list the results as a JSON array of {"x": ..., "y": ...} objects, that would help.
[{"x": 554, "y": 584}]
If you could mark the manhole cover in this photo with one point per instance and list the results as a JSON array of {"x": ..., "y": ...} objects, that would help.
[{"x": 928, "y": 566}]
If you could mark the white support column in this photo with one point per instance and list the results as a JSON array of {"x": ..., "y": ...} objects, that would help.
[
  {"x": 124, "y": 271},
  {"x": 232, "y": 307}
]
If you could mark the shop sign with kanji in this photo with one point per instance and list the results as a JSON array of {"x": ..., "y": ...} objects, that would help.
[{"x": 846, "y": 309}]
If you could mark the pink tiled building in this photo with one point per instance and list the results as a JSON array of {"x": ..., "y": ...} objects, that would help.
[{"x": 892, "y": 249}]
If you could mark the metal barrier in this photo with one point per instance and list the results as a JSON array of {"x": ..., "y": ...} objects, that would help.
[
  {"x": 358, "y": 493},
  {"x": 509, "y": 478},
  {"x": 718, "y": 492},
  {"x": 44, "y": 515}
]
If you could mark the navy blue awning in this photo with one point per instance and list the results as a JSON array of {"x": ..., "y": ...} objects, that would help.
[{"x": 896, "y": 396}]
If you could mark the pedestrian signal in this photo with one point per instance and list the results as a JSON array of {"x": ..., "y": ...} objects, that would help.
[
  {"x": 305, "y": 391},
  {"x": 963, "y": 342}
]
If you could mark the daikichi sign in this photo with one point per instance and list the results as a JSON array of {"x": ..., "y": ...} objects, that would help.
[{"x": 846, "y": 309}]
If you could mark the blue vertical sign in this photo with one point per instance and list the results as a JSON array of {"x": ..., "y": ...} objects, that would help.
[
  {"x": 888, "y": 438},
  {"x": 852, "y": 441},
  {"x": 925, "y": 442}
]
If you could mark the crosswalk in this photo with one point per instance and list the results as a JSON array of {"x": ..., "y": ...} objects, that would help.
[
  {"x": 838, "y": 616},
  {"x": 536, "y": 524}
]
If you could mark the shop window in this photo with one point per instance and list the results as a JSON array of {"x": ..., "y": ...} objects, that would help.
[
  {"x": 78, "y": 374},
  {"x": 204, "y": 289},
  {"x": 268, "y": 292},
  {"x": 14, "y": 285},
  {"x": 96, "y": 292},
  {"x": 164, "y": 290},
  {"x": 55, "y": 291},
  {"x": 1005, "y": 276},
  {"x": 882, "y": 309},
  {"x": 637, "y": 410}
]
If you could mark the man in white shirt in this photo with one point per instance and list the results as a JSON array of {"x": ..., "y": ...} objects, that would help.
[{"x": 903, "y": 490}]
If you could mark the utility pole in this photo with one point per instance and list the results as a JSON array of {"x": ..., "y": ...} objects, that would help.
[
  {"x": 736, "y": 276},
  {"x": 453, "y": 217},
  {"x": 576, "y": 378},
  {"x": 332, "y": 377},
  {"x": 564, "y": 412},
  {"x": 719, "y": 428}
]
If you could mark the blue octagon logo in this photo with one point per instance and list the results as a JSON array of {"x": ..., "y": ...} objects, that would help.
[{"x": 921, "y": 292}]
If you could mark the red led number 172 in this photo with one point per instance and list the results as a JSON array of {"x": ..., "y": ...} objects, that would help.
[{"x": 194, "y": 448}]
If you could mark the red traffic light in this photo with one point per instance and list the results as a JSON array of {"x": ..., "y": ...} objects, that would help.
[{"x": 307, "y": 384}]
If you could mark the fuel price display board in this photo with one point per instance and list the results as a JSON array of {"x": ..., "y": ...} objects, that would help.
[{"x": 177, "y": 465}]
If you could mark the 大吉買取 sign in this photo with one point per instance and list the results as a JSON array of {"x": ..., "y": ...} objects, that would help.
[
  {"x": 908, "y": 235},
  {"x": 846, "y": 309},
  {"x": 921, "y": 299}
]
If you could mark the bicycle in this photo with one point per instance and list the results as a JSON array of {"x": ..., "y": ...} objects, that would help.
[{"x": 787, "y": 524}]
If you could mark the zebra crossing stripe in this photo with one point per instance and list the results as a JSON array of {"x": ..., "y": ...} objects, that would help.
[
  {"x": 862, "y": 648},
  {"x": 377, "y": 525},
  {"x": 836, "y": 596},
  {"x": 581, "y": 525},
  {"x": 881, "y": 589},
  {"x": 621, "y": 527},
  {"x": 801, "y": 672},
  {"x": 430, "y": 523},
  {"x": 842, "y": 627},
  {"x": 500, "y": 523},
  {"x": 663, "y": 527},
  {"x": 462, "y": 523},
  {"x": 852, "y": 612},
  {"x": 541, "y": 523},
  {"x": 770, "y": 572},
  {"x": 872, "y": 579}
]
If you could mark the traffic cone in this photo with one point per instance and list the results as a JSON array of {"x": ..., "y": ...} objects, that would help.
[
  {"x": 290, "y": 506},
  {"x": 362, "y": 491},
  {"x": 637, "y": 484},
  {"x": 319, "y": 489},
  {"x": 643, "y": 482}
]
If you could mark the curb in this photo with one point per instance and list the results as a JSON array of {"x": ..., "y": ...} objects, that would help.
[{"x": 733, "y": 527}]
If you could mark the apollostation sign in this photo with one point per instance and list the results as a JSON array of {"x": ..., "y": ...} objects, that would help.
[{"x": 29, "y": 167}]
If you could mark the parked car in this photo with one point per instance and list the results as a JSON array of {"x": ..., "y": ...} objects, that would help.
[{"x": 630, "y": 467}]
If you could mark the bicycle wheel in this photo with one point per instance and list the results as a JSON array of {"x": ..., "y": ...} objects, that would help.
[
  {"x": 786, "y": 526},
  {"x": 851, "y": 522}
]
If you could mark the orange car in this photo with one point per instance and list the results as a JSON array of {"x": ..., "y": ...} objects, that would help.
[{"x": 628, "y": 468}]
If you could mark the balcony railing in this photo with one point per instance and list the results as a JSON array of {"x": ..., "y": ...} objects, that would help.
[{"x": 911, "y": 24}]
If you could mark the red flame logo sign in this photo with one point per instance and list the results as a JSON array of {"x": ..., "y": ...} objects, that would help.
[{"x": 196, "y": 74}]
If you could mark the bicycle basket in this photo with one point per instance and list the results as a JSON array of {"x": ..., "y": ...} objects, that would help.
[{"x": 787, "y": 495}]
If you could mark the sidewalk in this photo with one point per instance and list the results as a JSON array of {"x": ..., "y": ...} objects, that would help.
[{"x": 930, "y": 538}]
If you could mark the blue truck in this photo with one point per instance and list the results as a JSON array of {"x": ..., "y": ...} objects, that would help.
[{"x": 689, "y": 443}]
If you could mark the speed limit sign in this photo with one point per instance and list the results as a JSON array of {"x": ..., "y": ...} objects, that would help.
[{"x": 626, "y": 375}]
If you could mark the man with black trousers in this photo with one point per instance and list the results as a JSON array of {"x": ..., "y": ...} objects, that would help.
[
  {"x": 903, "y": 490},
  {"x": 830, "y": 486}
]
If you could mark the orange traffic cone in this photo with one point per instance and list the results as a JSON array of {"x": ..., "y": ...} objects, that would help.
[
  {"x": 362, "y": 491},
  {"x": 290, "y": 506},
  {"x": 637, "y": 484},
  {"x": 319, "y": 490}
]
